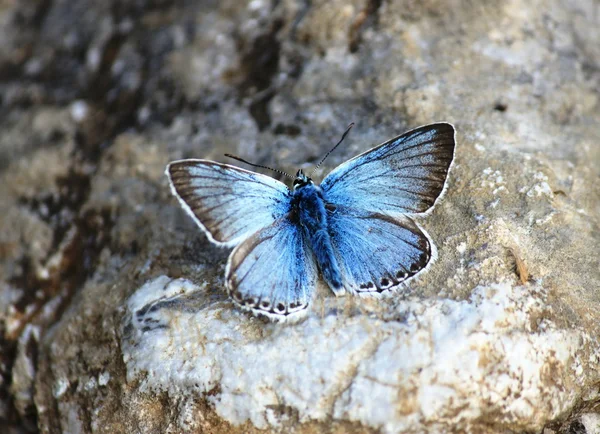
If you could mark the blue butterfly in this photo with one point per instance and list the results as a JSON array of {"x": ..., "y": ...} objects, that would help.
[{"x": 355, "y": 228}]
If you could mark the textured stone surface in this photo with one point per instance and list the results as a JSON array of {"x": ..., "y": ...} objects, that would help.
[{"x": 96, "y": 97}]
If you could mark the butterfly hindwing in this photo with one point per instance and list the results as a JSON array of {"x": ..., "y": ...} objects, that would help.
[
  {"x": 227, "y": 202},
  {"x": 377, "y": 252},
  {"x": 403, "y": 175},
  {"x": 273, "y": 272}
]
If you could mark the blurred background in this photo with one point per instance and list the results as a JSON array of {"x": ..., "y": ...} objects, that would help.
[{"x": 97, "y": 96}]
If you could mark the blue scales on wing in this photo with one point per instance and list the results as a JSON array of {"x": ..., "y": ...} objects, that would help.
[
  {"x": 227, "y": 202},
  {"x": 376, "y": 252},
  {"x": 273, "y": 272},
  {"x": 403, "y": 175},
  {"x": 369, "y": 199}
]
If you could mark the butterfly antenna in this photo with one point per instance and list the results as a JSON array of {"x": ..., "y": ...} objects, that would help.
[
  {"x": 333, "y": 149},
  {"x": 258, "y": 165}
]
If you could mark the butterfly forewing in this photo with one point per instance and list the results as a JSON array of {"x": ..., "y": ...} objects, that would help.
[
  {"x": 375, "y": 251},
  {"x": 227, "y": 202},
  {"x": 273, "y": 272},
  {"x": 404, "y": 175}
]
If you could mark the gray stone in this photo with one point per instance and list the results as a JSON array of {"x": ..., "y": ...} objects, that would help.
[{"x": 113, "y": 316}]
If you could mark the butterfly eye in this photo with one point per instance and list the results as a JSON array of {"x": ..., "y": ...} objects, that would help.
[{"x": 280, "y": 308}]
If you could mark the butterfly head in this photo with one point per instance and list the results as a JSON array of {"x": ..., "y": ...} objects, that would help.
[{"x": 301, "y": 180}]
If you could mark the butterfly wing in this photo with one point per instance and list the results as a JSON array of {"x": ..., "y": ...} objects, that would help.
[
  {"x": 228, "y": 203},
  {"x": 403, "y": 175},
  {"x": 273, "y": 272},
  {"x": 376, "y": 252}
]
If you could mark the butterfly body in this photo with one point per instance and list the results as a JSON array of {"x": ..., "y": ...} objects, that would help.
[
  {"x": 355, "y": 229},
  {"x": 309, "y": 211}
]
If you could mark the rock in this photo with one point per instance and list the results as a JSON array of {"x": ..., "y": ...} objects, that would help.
[
  {"x": 112, "y": 310},
  {"x": 425, "y": 364}
]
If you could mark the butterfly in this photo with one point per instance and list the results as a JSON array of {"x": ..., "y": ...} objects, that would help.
[{"x": 355, "y": 228}]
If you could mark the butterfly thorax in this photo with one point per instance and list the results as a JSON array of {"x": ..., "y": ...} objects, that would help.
[{"x": 309, "y": 212}]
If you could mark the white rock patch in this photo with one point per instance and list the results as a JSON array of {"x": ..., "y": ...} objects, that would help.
[{"x": 446, "y": 365}]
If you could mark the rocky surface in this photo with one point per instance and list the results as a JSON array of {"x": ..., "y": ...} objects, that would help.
[{"x": 112, "y": 313}]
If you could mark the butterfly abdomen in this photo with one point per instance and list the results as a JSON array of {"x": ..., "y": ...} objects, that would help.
[{"x": 312, "y": 217}]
